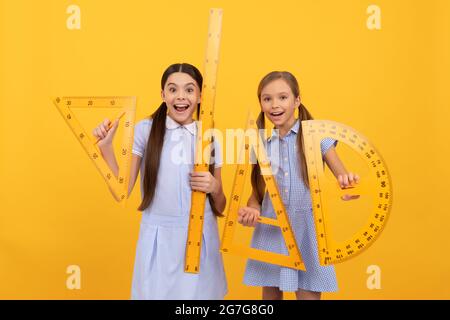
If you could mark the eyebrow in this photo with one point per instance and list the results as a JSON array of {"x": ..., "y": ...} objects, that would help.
[
  {"x": 266, "y": 94},
  {"x": 171, "y": 83}
]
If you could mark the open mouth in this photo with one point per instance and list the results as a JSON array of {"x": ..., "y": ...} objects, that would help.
[
  {"x": 276, "y": 114},
  {"x": 181, "y": 107}
]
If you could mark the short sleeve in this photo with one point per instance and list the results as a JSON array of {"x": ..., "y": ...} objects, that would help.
[
  {"x": 141, "y": 134},
  {"x": 326, "y": 144},
  {"x": 218, "y": 160}
]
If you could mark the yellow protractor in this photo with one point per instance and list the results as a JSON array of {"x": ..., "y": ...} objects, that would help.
[
  {"x": 126, "y": 107},
  {"x": 377, "y": 185},
  {"x": 196, "y": 215},
  {"x": 293, "y": 259}
]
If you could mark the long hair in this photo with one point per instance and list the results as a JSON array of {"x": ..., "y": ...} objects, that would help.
[
  {"x": 156, "y": 138},
  {"x": 303, "y": 114}
]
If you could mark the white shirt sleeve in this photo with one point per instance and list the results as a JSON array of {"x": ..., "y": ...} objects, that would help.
[{"x": 141, "y": 134}]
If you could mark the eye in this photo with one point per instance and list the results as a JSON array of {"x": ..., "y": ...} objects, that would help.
[
  {"x": 172, "y": 89},
  {"x": 283, "y": 97},
  {"x": 190, "y": 90},
  {"x": 266, "y": 99}
]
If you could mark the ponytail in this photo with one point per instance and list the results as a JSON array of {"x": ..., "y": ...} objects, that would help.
[
  {"x": 258, "y": 183},
  {"x": 303, "y": 115},
  {"x": 153, "y": 155}
]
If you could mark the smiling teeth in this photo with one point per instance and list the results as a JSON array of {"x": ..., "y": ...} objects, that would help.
[{"x": 181, "y": 107}]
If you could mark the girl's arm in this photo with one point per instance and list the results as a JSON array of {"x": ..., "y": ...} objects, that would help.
[
  {"x": 105, "y": 145},
  {"x": 253, "y": 202},
  {"x": 218, "y": 196},
  {"x": 346, "y": 179},
  {"x": 107, "y": 152},
  {"x": 248, "y": 216}
]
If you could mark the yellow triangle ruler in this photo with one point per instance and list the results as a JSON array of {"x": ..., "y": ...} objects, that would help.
[
  {"x": 376, "y": 185},
  {"x": 293, "y": 259},
  {"x": 126, "y": 109},
  {"x": 194, "y": 240}
]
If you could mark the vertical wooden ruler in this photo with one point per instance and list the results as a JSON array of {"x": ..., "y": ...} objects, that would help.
[
  {"x": 123, "y": 105},
  {"x": 293, "y": 259},
  {"x": 377, "y": 185},
  {"x": 196, "y": 215}
]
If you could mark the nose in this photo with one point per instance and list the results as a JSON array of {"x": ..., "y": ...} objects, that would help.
[
  {"x": 274, "y": 104},
  {"x": 181, "y": 95}
]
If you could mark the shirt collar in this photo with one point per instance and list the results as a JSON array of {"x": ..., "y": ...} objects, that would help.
[
  {"x": 294, "y": 129},
  {"x": 172, "y": 124}
]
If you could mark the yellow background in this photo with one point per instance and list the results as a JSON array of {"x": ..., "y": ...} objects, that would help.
[{"x": 389, "y": 84}]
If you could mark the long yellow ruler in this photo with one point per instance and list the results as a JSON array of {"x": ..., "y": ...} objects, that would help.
[
  {"x": 293, "y": 259},
  {"x": 377, "y": 185},
  {"x": 126, "y": 109},
  {"x": 194, "y": 240}
]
